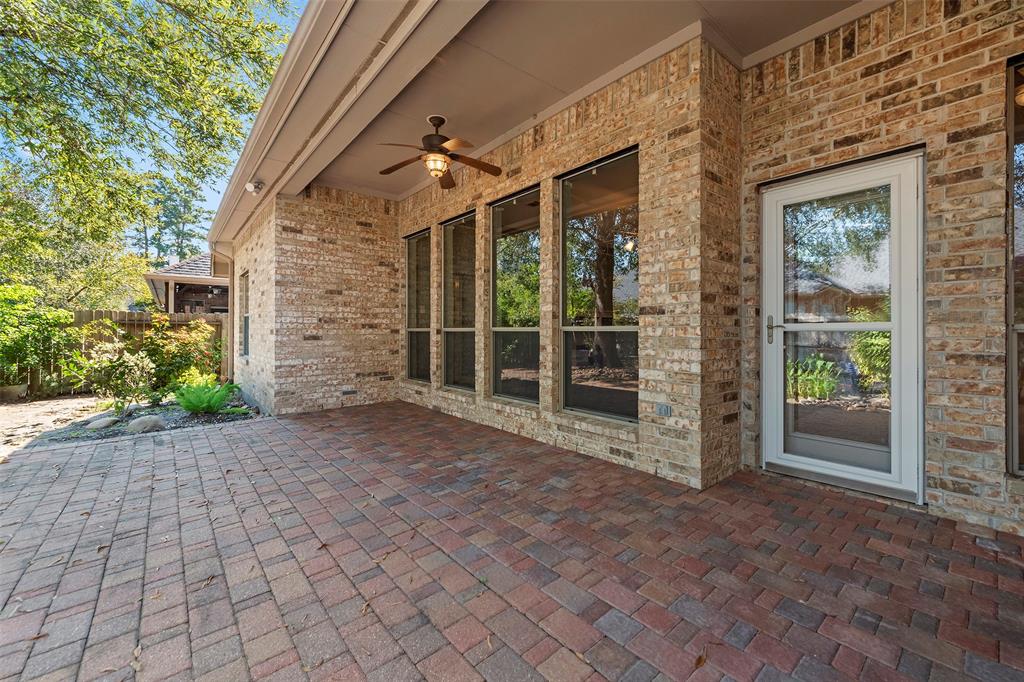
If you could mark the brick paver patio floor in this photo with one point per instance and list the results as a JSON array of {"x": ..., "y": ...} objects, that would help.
[{"x": 394, "y": 543}]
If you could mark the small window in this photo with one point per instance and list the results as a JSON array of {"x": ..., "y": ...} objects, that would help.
[
  {"x": 418, "y": 303},
  {"x": 243, "y": 311},
  {"x": 515, "y": 224},
  {"x": 458, "y": 305},
  {"x": 1015, "y": 214},
  {"x": 600, "y": 287}
]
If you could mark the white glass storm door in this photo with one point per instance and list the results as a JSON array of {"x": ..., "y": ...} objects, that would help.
[{"x": 841, "y": 342}]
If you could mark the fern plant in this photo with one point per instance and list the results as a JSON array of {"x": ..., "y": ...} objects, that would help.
[{"x": 204, "y": 398}]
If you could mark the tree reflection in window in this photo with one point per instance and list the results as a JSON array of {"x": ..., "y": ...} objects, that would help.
[
  {"x": 837, "y": 257},
  {"x": 600, "y": 215}
]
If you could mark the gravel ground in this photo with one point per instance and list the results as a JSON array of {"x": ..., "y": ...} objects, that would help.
[
  {"x": 23, "y": 421},
  {"x": 59, "y": 420}
]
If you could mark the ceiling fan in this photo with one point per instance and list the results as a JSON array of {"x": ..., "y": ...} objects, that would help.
[{"x": 439, "y": 153}]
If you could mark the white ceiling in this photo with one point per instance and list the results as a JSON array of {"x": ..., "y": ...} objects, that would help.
[{"x": 517, "y": 58}]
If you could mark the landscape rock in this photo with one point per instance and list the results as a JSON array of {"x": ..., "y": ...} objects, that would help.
[
  {"x": 150, "y": 422},
  {"x": 101, "y": 423}
]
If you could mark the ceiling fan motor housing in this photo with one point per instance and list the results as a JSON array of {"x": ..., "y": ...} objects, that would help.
[{"x": 434, "y": 140}]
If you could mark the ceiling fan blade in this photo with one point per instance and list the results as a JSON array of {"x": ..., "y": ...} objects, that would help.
[
  {"x": 447, "y": 180},
  {"x": 399, "y": 144},
  {"x": 457, "y": 143},
  {"x": 400, "y": 164},
  {"x": 476, "y": 163}
]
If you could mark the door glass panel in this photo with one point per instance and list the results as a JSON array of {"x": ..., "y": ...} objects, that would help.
[
  {"x": 837, "y": 257},
  {"x": 837, "y": 387}
]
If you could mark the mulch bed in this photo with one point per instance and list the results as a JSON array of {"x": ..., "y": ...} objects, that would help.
[{"x": 174, "y": 417}]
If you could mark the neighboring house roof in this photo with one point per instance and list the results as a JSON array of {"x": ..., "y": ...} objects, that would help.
[
  {"x": 194, "y": 270},
  {"x": 196, "y": 266}
]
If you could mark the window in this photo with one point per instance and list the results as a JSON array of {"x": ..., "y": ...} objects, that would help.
[
  {"x": 243, "y": 310},
  {"x": 515, "y": 225},
  {"x": 600, "y": 289},
  {"x": 418, "y": 303},
  {"x": 1015, "y": 129},
  {"x": 458, "y": 305}
]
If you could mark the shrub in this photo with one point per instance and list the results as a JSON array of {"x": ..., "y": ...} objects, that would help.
[
  {"x": 193, "y": 377},
  {"x": 813, "y": 377},
  {"x": 872, "y": 350},
  {"x": 113, "y": 372},
  {"x": 32, "y": 336},
  {"x": 174, "y": 351},
  {"x": 203, "y": 398}
]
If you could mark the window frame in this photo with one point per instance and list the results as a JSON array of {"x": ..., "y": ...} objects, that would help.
[
  {"x": 445, "y": 330},
  {"x": 425, "y": 233},
  {"x": 1014, "y": 331},
  {"x": 563, "y": 326},
  {"x": 493, "y": 307},
  {"x": 243, "y": 310}
]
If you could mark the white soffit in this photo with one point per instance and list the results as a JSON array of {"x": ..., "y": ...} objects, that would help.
[
  {"x": 518, "y": 63},
  {"x": 361, "y": 72}
]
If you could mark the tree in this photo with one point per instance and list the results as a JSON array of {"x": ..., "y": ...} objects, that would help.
[
  {"x": 101, "y": 98},
  {"x": 177, "y": 228}
]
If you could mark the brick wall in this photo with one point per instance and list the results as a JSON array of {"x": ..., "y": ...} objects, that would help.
[
  {"x": 255, "y": 254},
  {"x": 337, "y": 310},
  {"x": 324, "y": 313},
  {"x": 911, "y": 73},
  {"x": 657, "y": 108}
]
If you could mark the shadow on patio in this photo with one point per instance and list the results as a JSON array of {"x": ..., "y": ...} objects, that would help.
[{"x": 397, "y": 543}]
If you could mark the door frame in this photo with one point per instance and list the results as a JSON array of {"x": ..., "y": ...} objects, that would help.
[{"x": 905, "y": 173}]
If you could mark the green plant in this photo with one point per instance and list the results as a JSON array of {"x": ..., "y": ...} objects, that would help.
[
  {"x": 113, "y": 372},
  {"x": 32, "y": 336},
  {"x": 205, "y": 399},
  {"x": 235, "y": 410},
  {"x": 194, "y": 377},
  {"x": 813, "y": 377},
  {"x": 175, "y": 351},
  {"x": 871, "y": 351}
]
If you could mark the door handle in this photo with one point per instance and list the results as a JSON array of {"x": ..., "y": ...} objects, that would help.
[{"x": 772, "y": 327}]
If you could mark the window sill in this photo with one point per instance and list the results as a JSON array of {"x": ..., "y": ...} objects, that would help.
[
  {"x": 505, "y": 402},
  {"x": 459, "y": 392}
]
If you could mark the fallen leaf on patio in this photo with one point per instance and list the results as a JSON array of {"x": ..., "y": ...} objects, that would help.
[
  {"x": 156, "y": 595},
  {"x": 136, "y": 666},
  {"x": 581, "y": 657},
  {"x": 489, "y": 645},
  {"x": 208, "y": 581},
  {"x": 701, "y": 660},
  {"x": 39, "y": 636},
  {"x": 366, "y": 608},
  {"x": 323, "y": 545},
  {"x": 57, "y": 560},
  {"x": 137, "y": 651},
  {"x": 101, "y": 548},
  {"x": 307, "y": 668},
  {"x": 85, "y": 513},
  {"x": 110, "y": 670}
]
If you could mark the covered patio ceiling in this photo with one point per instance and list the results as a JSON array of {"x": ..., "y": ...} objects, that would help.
[{"x": 360, "y": 73}]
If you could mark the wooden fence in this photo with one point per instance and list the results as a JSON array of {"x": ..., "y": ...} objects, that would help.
[{"x": 135, "y": 324}]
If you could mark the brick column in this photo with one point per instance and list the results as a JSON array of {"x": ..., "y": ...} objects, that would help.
[
  {"x": 550, "y": 299},
  {"x": 483, "y": 301},
  {"x": 436, "y": 295}
]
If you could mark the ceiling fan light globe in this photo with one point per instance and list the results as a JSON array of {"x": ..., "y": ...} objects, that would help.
[{"x": 437, "y": 164}]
